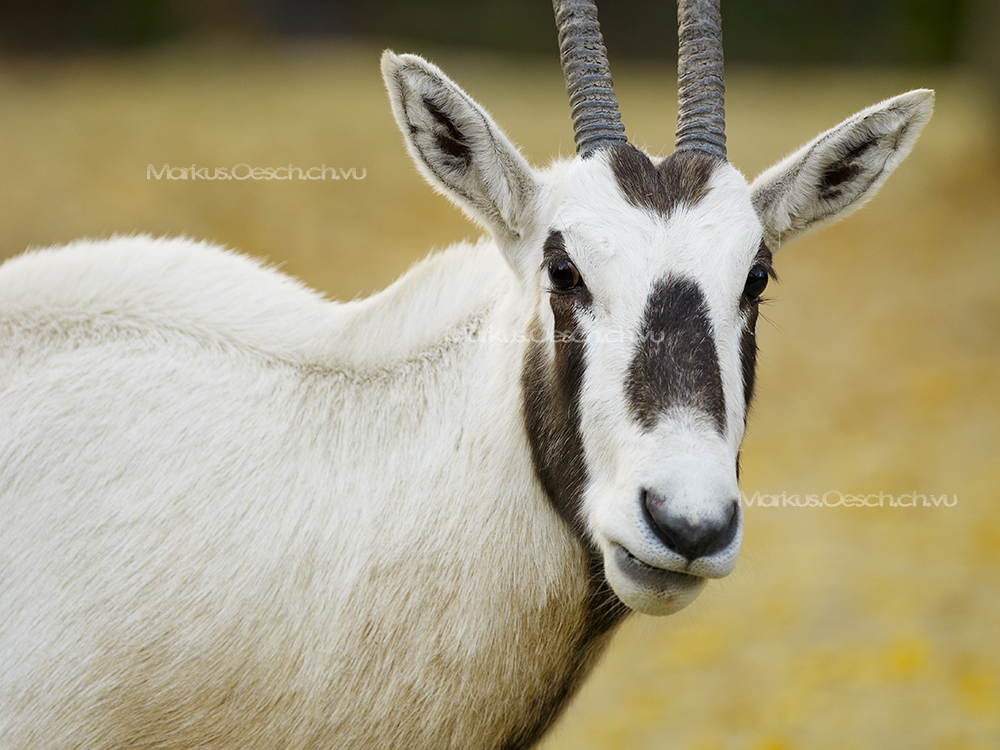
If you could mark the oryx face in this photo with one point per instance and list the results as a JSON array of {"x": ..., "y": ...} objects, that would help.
[
  {"x": 642, "y": 278},
  {"x": 640, "y": 372},
  {"x": 654, "y": 272}
]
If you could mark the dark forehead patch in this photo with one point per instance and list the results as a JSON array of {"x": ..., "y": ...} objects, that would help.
[
  {"x": 681, "y": 178},
  {"x": 676, "y": 363}
]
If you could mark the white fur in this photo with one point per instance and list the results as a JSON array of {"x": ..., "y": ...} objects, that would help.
[
  {"x": 199, "y": 516},
  {"x": 237, "y": 515}
]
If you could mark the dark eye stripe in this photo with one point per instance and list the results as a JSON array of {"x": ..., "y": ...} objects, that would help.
[
  {"x": 748, "y": 339},
  {"x": 551, "y": 406}
]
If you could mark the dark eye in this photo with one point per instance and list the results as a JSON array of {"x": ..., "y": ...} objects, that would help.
[
  {"x": 756, "y": 282},
  {"x": 563, "y": 275}
]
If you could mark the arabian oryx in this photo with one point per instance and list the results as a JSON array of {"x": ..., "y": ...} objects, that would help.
[{"x": 237, "y": 515}]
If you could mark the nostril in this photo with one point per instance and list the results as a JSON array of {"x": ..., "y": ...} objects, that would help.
[{"x": 690, "y": 539}]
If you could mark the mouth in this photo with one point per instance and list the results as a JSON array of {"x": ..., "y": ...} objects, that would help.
[
  {"x": 645, "y": 588},
  {"x": 657, "y": 579}
]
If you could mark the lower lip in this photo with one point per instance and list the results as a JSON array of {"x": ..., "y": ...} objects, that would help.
[{"x": 649, "y": 577}]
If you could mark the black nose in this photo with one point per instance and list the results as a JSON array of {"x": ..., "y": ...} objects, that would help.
[{"x": 690, "y": 539}]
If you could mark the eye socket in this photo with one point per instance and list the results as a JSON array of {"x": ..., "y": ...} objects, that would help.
[
  {"x": 563, "y": 275},
  {"x": 756, "y": 282}
]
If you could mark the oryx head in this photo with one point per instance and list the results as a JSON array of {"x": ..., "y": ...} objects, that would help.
[{"x": 644, "y": 275}]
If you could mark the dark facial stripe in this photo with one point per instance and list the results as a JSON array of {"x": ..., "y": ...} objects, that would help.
[
  {"x": 748, "y": 352},
  {"x": 681, "y": 178},
  {"x": 551, "y": 403},
  {"x": 677, "y": 363},
  {"x": 551, "y": 392},
  {"x": 749, "y": 309}
]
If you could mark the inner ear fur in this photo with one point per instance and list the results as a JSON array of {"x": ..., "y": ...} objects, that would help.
[
  {"x": 458, "y": 148},
  {"x": 840, "y": 170}
]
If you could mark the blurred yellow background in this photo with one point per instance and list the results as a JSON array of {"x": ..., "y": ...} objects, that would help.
[{"x": 879, "y": 373}]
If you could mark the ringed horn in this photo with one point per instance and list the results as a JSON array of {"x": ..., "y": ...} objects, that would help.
[
  {"x": 593, "y": 106},
  {"x": 701, "y": 121}
]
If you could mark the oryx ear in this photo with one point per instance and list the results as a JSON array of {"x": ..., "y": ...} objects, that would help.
[
  {"x": 458, "y": 148},
  {"x": 840, "y": 170}
]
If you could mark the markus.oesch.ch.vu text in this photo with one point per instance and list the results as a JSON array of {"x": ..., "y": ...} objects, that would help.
[{"x": 244, "y": 171}]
